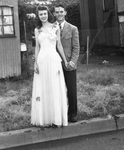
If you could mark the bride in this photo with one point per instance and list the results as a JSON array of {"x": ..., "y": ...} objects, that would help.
[{"x": 49, "y": 94}]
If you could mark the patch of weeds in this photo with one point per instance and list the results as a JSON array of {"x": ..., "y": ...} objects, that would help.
[
  {"x": 14, "y": 118},
  {"x": 3, "y": 88},
  {"x": 99, "y": 109},
  {"x": 122, "y": 105},
  {"x": 89, "y": 90},
  {"x": 16, "y": 106},
  {"x": 103, "y": 77},
  {"x": 99, "y": 101}
]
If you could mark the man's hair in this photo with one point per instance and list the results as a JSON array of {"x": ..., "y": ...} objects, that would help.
[{"x": 60, "y": 5}]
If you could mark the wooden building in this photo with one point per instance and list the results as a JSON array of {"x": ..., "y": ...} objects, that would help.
[
  {"x": 121, "y": 20},
  {"x": 10, "y": 61},
  {"x": 100, "y": 21}
]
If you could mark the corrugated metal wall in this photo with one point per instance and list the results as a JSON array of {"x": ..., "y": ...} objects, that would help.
[
  {"x": 92, "y": 17},
  {"x": 10, "y": 62}
]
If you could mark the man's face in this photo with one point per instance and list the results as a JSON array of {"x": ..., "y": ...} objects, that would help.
[{"x": 60, "y": 14}]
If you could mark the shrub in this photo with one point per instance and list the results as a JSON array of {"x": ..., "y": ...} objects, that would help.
[
  {"x": 73, "y": 15},
  {"x": 25, "y": 68}
]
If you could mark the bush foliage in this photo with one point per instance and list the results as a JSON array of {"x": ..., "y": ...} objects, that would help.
[{"x": 73, "y": 15}]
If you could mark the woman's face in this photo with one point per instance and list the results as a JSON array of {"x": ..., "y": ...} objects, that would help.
[{"x": 43, "y": 15}]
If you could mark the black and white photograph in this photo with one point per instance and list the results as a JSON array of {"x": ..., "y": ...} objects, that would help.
[{"x": 61, "y": 74}]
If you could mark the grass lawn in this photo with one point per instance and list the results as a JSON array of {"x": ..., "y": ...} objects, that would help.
[{"x": 100, "y": 93}]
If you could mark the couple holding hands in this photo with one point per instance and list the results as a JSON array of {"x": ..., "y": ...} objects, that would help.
[{"x": 54, "y": 94}]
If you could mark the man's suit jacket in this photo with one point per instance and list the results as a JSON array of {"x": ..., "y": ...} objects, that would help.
[{"x": 70, "y": 42}]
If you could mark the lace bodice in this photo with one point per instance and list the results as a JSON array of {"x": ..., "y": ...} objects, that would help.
[{"x": 47, "y": 40}]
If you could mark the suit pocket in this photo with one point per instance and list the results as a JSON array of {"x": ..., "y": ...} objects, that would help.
[{"x": 68, "y": 36}]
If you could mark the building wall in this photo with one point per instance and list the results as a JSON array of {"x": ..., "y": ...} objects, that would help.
[
  {"x": 93, "y": 16},
  {"x": 120, "y": 5},
  {"x": 120, "y": 9},
  {"x": 10, "y": 62},
  {"x": 84, "y": 20}
]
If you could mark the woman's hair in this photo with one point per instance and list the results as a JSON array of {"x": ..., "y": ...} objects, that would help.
[{"x": 50, "y": 16}]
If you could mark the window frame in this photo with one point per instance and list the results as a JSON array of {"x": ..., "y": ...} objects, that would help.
[
  {"x": 13, "y": 25},
  {"x": 103, "y": 4},
  {"x": 107, "y": 7}
]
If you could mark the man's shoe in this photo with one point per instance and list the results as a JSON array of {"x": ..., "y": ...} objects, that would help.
[{"x": 72, "y": 119}]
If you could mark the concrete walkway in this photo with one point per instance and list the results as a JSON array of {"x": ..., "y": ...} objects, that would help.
[{"x": 38, "y": 135}]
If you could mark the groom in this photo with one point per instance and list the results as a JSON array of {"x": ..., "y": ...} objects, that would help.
[{"x": 70, "y": 43}]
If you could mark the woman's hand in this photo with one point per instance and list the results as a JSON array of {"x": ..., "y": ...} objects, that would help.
[
  {"x": 66, "y": 64},
  {"x": 36, "y": 68},
  {"x": 33, "y": 58}
]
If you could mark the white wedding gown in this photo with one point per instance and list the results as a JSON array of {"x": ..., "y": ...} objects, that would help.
[{"x": 49, "y": 95}]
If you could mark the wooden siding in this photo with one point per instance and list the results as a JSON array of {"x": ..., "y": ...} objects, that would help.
[
  {"x": 10, "y": 61},
  {"x": 120, "y": 5},
  {"x": 92, "y": 17},
  {"x": 84, "y": 20},
  {"x": 99, "y": 18}
]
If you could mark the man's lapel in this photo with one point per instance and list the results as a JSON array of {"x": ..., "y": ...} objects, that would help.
[{"x": 65, "y": 29}]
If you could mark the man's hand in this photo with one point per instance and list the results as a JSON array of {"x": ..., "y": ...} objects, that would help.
[{"x": 71, "y": 65}]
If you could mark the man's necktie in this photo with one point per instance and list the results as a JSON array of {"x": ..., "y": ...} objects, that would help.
[{"x": 60, "y": 26}]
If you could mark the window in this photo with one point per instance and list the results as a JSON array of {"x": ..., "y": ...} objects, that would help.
[
  {"x": 108, "y": 4},
  {"x": 6, "y": 21}
]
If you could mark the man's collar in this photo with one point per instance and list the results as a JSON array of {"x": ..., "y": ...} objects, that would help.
[{"x": 62, "y": 24}]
